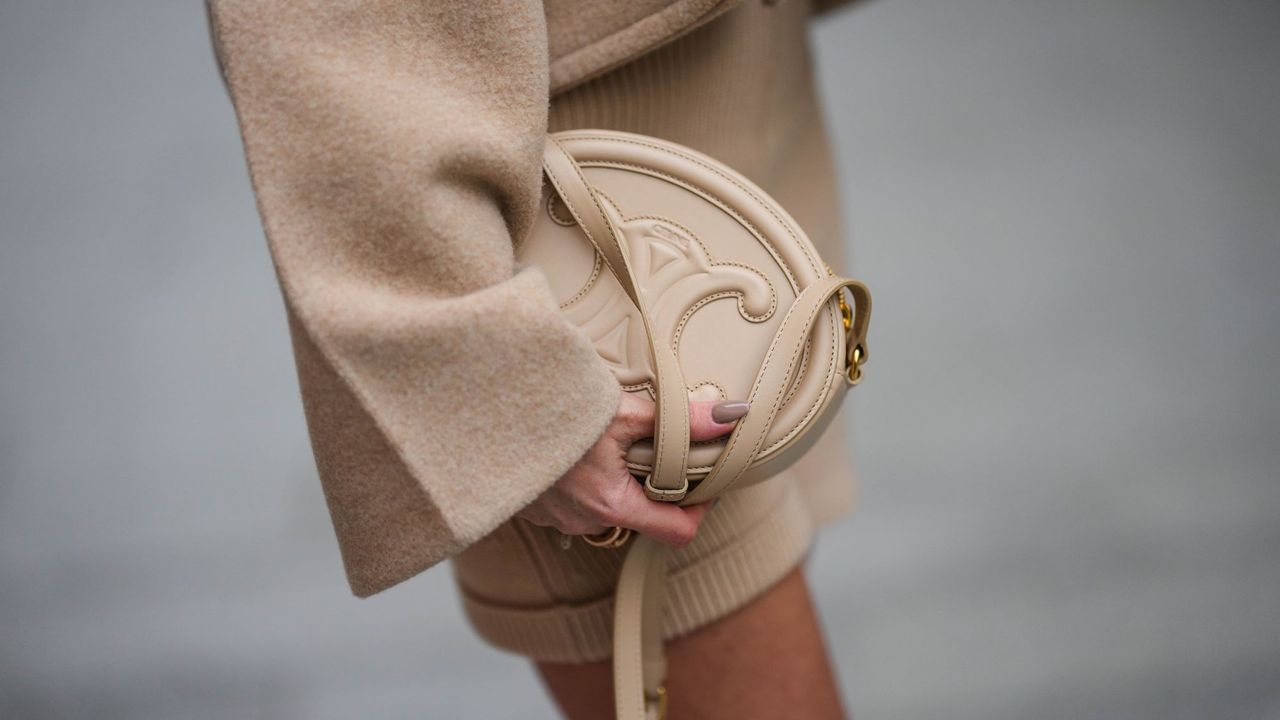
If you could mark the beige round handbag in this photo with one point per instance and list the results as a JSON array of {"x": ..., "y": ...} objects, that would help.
[{"x": 693, "y": 284}]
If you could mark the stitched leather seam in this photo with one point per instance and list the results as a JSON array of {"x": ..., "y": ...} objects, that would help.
[
  {"x": 675, "y": 339},
  {"x": 768, "y": 357},
  {"x": 813, "y": 409},
  {"x": 742, "y": 310},
  {"x": 699, "y": 469},
  {"x": 774, "y": 408},
  {"x": 591, "y": 282},
  {"x": 798, "y": 380},
  {"x": 715, "y": 171},
  {"x": 662, "y": 420},
  {"x": 714, "y": 201},
  {"x": 723, "y": 395},
  {"x": 551, "y": 203}
]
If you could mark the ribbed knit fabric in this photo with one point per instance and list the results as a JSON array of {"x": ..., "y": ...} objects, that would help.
[
  {"x": 749, "y": 541},
  {"x": 739, "y": 89}
]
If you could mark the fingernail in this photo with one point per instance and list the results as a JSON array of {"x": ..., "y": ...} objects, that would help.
[{"x": 729, "y": 411}]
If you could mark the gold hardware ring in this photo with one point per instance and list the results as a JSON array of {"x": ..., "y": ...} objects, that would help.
[
  {"x": 854, "y": 368},
  {"x": 615, "y": 537}
]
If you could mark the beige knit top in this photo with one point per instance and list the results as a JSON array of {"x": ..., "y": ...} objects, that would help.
[{"x": 395, "y": 148}]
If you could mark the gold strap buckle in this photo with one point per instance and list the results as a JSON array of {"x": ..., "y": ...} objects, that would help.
[{"x": 858, "y": 356}]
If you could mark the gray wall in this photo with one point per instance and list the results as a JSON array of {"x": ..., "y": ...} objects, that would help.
[{"x": 1068, "y": 441}]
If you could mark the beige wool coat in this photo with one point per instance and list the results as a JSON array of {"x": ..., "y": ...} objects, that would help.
[{"x": 395, "y": 152}]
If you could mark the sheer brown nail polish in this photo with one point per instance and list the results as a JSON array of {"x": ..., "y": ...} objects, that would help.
[{"x": 729, "y": 411}]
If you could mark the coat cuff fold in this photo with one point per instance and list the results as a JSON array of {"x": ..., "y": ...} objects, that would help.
[{"x": 429, "y": 439}]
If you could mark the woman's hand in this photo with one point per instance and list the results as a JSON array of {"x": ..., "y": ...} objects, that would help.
[{"x": 599, "y": 492}]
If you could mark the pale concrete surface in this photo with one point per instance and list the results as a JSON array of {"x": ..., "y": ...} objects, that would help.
[{"x": 1068, "y": 438}]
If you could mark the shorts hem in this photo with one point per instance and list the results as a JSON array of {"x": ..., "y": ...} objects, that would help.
[{"x": 707, "y": 589}]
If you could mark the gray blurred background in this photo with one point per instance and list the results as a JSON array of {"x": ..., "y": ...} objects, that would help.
[{"x": 1069, "y": 441}]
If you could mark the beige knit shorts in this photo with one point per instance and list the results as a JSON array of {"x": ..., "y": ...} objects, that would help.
[{"x": 524, "y": 592}]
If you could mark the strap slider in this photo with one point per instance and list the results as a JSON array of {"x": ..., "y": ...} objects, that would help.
[{"x": 661, "y": 495}]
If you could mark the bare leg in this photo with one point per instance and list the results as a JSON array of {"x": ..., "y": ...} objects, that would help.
[{"x": 766, "y": 661}]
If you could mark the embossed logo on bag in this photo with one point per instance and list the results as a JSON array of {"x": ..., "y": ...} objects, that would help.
[{"x": 677, "y": 277}]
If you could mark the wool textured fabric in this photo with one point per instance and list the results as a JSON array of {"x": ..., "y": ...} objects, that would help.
[{"x": 395, "y": 150}]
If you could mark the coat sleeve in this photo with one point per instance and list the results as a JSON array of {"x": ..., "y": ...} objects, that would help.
[{"x": 395, "y": 151}]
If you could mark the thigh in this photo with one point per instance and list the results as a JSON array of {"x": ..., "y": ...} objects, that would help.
[{"x": 766, "y": 660}]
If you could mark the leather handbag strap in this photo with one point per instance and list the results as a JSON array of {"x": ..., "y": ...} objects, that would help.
[
  {"x": 639, "y": 664},
  {"x": 639, "y": 659},
  {"x": 771, "y": 383},
  {"x": 667, "y": 481}
]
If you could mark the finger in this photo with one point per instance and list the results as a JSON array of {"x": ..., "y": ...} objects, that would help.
[
  {"x": 708, "y": 420},
  {"x": 665, "y": 522},
  {"x": 634, "y": 419}
]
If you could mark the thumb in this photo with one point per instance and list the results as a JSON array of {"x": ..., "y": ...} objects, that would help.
[{"x": 709, "y": 420}]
